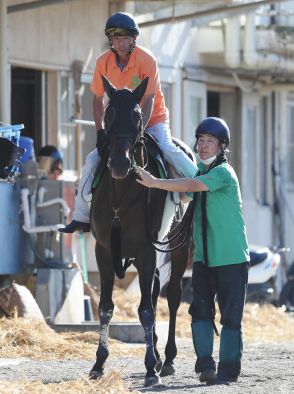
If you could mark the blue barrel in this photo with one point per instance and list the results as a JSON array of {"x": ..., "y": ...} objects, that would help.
[
  {"x": 28, "y": 144},
  {"x": 12, "y": 134},
  {"x": 10, "y": 230}
]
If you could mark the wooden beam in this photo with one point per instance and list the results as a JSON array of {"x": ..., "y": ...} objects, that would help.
[{"x": 33, "y": 4}]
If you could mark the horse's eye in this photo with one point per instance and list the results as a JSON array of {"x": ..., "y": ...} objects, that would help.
[{"x": 109, "y": 117}]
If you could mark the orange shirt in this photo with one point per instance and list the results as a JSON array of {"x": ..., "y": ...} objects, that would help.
[{"x": 141, "y": 64}]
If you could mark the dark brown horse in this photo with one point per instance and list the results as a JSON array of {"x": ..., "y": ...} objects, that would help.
[{"x": 125, "y": 213}]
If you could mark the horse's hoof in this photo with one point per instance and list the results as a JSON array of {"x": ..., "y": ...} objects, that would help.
[
  {"x": 96, "y": 374},
  {"x": 152, "y": 380},
  {"x": 168, "y": 370}
]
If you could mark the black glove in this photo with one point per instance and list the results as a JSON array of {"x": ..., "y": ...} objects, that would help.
[{"x": 102, "y": 142}]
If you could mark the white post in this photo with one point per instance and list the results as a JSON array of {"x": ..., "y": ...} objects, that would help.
[{"x": 4, "y": 75}]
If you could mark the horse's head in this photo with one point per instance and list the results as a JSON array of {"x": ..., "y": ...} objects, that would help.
[{"x": 123, "y": 126}]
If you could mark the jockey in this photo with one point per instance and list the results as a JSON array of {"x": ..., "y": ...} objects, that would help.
[{"x": 125, "y": 65}]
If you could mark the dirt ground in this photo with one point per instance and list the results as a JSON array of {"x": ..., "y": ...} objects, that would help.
[
  {"x": 35, "y": 359},
  {"x": 267, "y": 368}
]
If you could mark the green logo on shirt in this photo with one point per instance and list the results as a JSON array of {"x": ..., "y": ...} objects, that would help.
[{"x": 135, "y": 82}]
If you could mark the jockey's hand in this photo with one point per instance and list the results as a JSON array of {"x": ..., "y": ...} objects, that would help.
[
  {"x": 102, "y": 142},
  {"x": 146, "y": 179}
]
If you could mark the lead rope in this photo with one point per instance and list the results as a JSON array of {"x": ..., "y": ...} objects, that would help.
[
  {"x": 204, "y": 227},
  {"x": 186, "y": 223}
]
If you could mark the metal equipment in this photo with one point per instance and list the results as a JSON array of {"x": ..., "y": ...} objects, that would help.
[{"x": 32, "y": 210}]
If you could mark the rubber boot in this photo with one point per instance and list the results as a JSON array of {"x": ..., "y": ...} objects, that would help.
[
  {"x": 202, "y": 334},
  {"x": 230, "y": 354}
]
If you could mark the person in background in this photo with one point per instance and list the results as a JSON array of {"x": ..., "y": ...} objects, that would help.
[
  {"x": 221, "y": 255},
  {"x": 125, "y": 65},
  {"x": 50, "y": 160}
]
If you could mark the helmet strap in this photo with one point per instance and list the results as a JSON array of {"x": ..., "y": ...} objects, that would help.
[{"x": 133, "y": 45}]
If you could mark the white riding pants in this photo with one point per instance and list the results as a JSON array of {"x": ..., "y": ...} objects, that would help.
[{"x": 174, "y": 155}]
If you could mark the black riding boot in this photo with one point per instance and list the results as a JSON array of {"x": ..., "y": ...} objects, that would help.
[{"x": 75, "y": 225}]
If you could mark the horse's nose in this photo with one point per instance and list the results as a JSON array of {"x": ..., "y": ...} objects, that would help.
[{"x": 120, "y": 167}]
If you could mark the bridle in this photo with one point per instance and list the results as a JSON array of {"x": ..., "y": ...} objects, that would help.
[{"x": 133, "y": 147}]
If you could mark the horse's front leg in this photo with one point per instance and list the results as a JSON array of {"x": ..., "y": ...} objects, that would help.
[
  {"x": 179, "y": 259},
  {"x": 155, "y": 295},
  {"x": 146, "y": 269},
  {"x": 105, "y": 309}
]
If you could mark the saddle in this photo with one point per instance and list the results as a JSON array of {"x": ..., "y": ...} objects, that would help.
[{"x": 168, "y": 171}]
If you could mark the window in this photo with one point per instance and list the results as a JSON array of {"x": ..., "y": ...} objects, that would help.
[
  {"x": 66, "y": 134},
  {"x": 289, "y": 162},
  {"x": 166, "y": 90},
  {"x": 249, "y": 189},
  {"x": 257, "y": 143},
  {"x": 264, "y": 141},
  {"x": 194, "y": 109},
  {"x": 167, "y": 94}
]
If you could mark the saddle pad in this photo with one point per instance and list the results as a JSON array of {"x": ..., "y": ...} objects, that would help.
[{"x": 99, "y": 172}]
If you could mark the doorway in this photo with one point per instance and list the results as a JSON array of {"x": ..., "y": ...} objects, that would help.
[
  {"x": 213, "y": 103},
  {"x": 27, "y": 103}
]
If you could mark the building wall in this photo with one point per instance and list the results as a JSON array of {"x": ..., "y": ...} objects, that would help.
[{"x": 54, "y": 36}]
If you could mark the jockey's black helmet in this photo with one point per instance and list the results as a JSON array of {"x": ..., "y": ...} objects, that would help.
[
  {"x": 122, "y": 24},
  {"x": 216, "y": 127}
]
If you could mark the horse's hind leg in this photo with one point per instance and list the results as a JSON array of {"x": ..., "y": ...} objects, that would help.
[
  {"x": 146, "y": 268},
  {"x": 105, "y": 310},
  {"x": 179, "y": 259}
]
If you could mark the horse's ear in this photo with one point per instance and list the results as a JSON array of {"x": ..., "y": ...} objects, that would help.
[
  {"x": 141, "y": 89},
  {"x": 109, "y": 88}
]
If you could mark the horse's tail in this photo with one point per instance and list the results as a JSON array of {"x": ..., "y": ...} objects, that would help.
[{"x": 115, "y": 244}]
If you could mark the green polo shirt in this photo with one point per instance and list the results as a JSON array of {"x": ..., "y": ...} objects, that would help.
[{"x": 226, "y": 232}]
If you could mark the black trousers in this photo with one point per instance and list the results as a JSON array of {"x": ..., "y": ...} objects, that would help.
[{"x": 229, "y": 284}]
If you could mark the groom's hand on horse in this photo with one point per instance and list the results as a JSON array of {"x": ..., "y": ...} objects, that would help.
[
  {"x": 102, "y": 143},
  {"x": 146, "y": 179}
]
